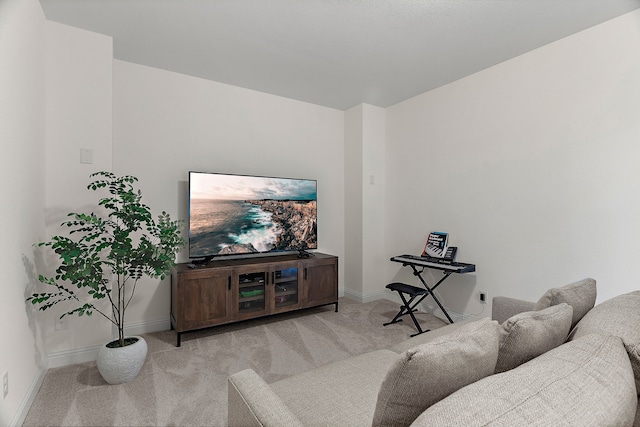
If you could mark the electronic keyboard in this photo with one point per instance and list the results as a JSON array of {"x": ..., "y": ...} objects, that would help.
[{"x": 436, "y": 263}]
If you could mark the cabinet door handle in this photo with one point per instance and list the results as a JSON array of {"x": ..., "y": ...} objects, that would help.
[
  {"x": 229, "y": 282},
  {"x": 273, "y": 277},
  {"x": 305, "y": 273}
]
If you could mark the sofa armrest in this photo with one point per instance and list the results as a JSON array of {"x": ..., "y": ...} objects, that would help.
[
  {"x": 505, "y": 307},
  {"x": 253, "y": 403}
]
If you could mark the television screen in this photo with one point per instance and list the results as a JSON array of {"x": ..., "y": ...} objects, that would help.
[{"x": 238, "y": 214}]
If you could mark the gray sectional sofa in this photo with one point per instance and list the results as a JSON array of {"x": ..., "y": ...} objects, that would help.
[{"x": 558, "y": 361}]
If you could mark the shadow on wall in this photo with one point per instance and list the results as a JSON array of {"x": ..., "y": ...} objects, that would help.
[
  {"x": 44, "y": 262},
  {"x": 35, "y": 322}
]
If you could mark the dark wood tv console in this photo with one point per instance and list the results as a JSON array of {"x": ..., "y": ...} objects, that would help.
[{"x": 226, "y": 291}]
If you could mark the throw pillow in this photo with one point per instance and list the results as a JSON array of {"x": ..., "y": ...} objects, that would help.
[
  {"x": 432, "y": 371},
  {"x": 580, "y": 295},
  {"x": 530, "y": 334},
  {"x": 587, "y": 382},
  {"x": 619, "y": 316}
]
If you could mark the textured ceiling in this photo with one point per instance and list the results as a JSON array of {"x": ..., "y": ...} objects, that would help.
[{"x": 335, "y": 53}]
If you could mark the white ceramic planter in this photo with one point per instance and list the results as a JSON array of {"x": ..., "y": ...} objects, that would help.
[{"x": 121, "y": 364}]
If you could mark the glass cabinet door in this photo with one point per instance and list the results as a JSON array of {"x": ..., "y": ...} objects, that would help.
[
  {"x": 286, "y": 287},
  {"x": 251, "y": 292}
]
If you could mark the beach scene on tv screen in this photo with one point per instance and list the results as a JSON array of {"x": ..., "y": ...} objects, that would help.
[{"x": 233, "y": 214}]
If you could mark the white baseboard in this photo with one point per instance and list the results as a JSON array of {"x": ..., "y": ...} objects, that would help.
[
  {"x": 89, "y": 354},
  {"x": 435, "y": 310},
  {"x": 25, "y": 405},
  {"x": 393, "y": 296},
  {"x": 147, "y": 327},
  {"x": 432, "y": 309},
  {"x": 363, "y": 298},
  {"x": 59, "y": 359}
]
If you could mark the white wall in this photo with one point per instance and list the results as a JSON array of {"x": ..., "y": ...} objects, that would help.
[
  {"x": 56, "y": 98},
  {"x": 353, "y": 199},
  {"x": 166, "y": 124},
  {"x": 365, "y": 255},
  {"x": 531, "y": 166},
  {"x": 78, "y": 108},
  {"x": 58, "y": 83},
  {"x": 373, "y": 201},
  {"x": 22, "y": 132}
]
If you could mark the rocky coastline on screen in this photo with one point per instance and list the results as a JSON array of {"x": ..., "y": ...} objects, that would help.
[
  {"x": 238, "y": 248},
  {"x": 297, "y": 219}
]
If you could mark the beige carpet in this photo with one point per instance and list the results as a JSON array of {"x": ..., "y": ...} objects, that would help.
[{"x": 187, "y": 386}]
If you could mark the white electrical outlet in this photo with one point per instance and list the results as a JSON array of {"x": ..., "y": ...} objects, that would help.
[
  {"x": 5, "y": 385},
  {"x": 483, "y": 297}
]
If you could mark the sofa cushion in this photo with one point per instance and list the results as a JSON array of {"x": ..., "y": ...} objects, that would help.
[
  {"x": 619, "y": 316},
  {"x": 503, "y": 308},
  {"x": 432, "y": 371},
  {"x": 528, "y": 335},
  {"x": 417, "y": 340},
  {"x": 338, "y": 393},
  {"x": 580, "y": 295},
  {"x": 587, "y": 382},
  {"x": 266, "y": 408}
]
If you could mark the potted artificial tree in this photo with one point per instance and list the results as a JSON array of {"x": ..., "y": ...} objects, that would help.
[{"x": 103, "y": 258}]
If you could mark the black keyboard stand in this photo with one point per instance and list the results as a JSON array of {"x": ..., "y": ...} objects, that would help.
[{"x": 413, "y": 292}]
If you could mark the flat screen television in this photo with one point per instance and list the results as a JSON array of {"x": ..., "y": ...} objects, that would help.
[{"x": 244, "y": 215}]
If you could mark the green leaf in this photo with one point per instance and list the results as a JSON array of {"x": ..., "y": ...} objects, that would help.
[{"x": 122, "y": 246}]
